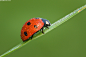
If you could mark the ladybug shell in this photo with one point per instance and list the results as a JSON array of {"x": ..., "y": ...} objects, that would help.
[{"x": 30, "y": 29}]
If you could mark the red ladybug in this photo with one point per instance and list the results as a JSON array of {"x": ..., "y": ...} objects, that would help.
[{"x": 32, "y": 26}]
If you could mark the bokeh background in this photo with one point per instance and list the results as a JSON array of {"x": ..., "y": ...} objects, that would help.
[{"x": 67, "y": 40}]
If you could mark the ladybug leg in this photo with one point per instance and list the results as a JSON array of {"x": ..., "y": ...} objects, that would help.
[
  {"x": 32, "y": 36},
  {"x": 47, "y": 27},
  {"x": 42, "y": 31}
]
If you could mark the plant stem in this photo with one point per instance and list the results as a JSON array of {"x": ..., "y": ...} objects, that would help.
[{"x": 54, "y": 25}]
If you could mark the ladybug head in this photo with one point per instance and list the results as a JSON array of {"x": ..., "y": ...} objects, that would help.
[{"x": 46, "y": 22}]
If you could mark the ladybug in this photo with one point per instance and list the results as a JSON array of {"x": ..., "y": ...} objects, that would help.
[{"x": 32, "y": 26}]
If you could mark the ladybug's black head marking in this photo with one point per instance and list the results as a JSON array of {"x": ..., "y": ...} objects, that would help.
[
  {"x": 28, "y": 23},
  {"x": 35, "y": 26},
  {"x": 46, "y": 22},
  {"x": 25, "y": 33}
]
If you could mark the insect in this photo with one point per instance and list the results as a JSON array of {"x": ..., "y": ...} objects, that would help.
[{"x": 32, "y": 26}]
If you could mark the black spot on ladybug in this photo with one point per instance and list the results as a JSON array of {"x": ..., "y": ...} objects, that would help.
[
  {"x": 35, "y": 26},
  {"x": 25, "y": 33},
  {"x": 28, "y": 23}
]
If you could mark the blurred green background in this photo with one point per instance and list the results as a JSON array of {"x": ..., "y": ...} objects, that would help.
[{"x": 67, "y": 40}]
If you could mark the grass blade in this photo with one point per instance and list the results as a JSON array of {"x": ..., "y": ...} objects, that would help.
[{"x": 54, "y": 25}]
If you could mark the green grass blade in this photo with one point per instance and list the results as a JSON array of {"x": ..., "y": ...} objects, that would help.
[{"x": 54, "y": 25}]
